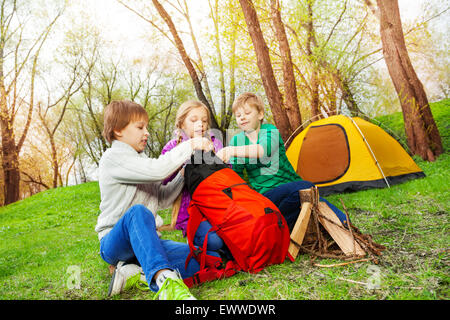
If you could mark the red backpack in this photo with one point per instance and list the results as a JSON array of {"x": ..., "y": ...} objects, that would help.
[{"x": 250, "y": 225}]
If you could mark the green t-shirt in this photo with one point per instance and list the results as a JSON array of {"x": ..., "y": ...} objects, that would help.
[{"x": 270, "y": 171}]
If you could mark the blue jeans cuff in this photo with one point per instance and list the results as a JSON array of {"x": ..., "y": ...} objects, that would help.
[{"x": 151, "y": 282}]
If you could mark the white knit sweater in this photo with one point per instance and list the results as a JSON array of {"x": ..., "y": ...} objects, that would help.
[{"x": 127, "y": 177}]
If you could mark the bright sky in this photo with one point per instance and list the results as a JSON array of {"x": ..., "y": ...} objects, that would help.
[
  {"x": 110, "y": 13},
  {"x": 116, "y": 23},
  {"x": 126, "y": 29},
  {"x": 409, "y": 8}
]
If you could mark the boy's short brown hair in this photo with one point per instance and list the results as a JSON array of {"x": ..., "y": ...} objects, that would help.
[
  {"x": 250, "y": 99},
  {"x": 118, "y": 114}
]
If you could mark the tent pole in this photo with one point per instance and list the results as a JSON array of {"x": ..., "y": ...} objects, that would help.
[
  {"x": 370, "y": 149},
  {"x": 302, "y": 126}
]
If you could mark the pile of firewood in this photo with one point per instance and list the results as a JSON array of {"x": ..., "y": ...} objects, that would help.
[{"x": 319, "y": 232}]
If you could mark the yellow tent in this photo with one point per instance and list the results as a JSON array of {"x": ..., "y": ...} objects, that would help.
[{"x": 341, "y": 153}]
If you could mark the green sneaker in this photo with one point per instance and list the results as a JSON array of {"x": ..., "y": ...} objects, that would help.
[
  {"x": 127, "y": 276},
  {"x": 174, "y": 289}
]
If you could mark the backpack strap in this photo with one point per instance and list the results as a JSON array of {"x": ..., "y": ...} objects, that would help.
[
  {"x": 200, "y": 254},
  {"x": 213, "y": 272},
  {"x": 195, "y": 218},
  {"x": 210, "y": 266},
  {"x": 206, "y": 259}
]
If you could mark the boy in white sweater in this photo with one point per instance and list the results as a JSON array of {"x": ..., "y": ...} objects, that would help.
[{"x": 131, "y": 193}]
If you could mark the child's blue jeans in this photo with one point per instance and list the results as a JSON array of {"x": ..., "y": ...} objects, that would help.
[
  {"x": 134, "y": 236},
  {"x": 286, "y": 197},
  {"x": 214, "y": 241}
]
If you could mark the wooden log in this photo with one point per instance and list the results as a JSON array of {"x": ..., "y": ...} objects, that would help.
[
  {"x": 298, "y": 233},
  {"x": 310, "y": 235},
  {"x": 337, "y": 231},
  {"x": 301, "y": 225},
  {"x": 309, "y": 195},
  {"x": 175, "y": 210}
]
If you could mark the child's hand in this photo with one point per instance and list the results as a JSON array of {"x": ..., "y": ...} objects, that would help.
[
  {"x": 201, "y": 143},
  {"x": 224, "y": 154}
]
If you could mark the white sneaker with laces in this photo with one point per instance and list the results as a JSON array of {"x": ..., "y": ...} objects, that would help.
[
  {"x": 172, "y": 287},
  {"x": 126, "y": 276}
]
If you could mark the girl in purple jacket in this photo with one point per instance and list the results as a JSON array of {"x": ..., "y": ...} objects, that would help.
[{"x": 193, "y": 120}]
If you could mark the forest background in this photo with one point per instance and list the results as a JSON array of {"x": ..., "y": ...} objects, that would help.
[{"x": 62, "y": 62}]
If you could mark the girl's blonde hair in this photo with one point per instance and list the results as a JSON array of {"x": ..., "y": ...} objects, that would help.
[{"x": 184, "y": 110}]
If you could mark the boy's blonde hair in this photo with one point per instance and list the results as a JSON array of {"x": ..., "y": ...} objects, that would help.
[
  {"x": 250, "y": 99},
  {"x": 118, "y": 114},
  {"x": 183, "y": 111}
]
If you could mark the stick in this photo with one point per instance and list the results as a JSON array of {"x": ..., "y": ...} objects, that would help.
[
  {"x": 348, "y": 224},
  {"x": 340, "y": 264},
  {"x": 353, "y": 281}
]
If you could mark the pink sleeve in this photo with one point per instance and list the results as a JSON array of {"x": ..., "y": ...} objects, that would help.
[
  {"x": 217, "y": 144},
  {"x": 169, "y": 146}
]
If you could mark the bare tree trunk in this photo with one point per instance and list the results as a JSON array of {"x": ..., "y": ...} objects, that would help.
[
  {"x": 347, "y": 94},
  {"x": 215, "y": 17},
  {"x": 232, "y": 94},
  {"x": 10, "y": 163},
  {"x": 98, "y": 128},
  {"x": 186, "y": 60},
  {"x": 329, "y": 92},
  {"x": 200, "y": 65},
  {"x": 10, "y": 156},
  {"x": 290, "y": 87},
  {"x": 83, "y": 178},
  {"x": 314, "y": 80},
  {"x": 55, "y": 163},
  {"x": 72, "y": 88},
  {"x": 421, "y": 131},
  {"x": 10, "y": 159},
  {"x": 315, "y": 101},
  {"x": 265, "y": 68},
  {"x": 11, "y": 150},
  {"x": 319, "y": 65},
  {"x": 70, "y": 169},
  {"x": 310, "y": 42}
]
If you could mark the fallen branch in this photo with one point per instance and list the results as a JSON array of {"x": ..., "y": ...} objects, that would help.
[
  {"x": 329, "y": 255},
  {"x": 340, "y": 264},
  {"x": 348, "y": 224},
  {"x": 353, "y": 281}
]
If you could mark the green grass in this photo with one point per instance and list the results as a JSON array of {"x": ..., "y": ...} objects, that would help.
[
  {"x": 394, "y": 123},
  {"x": 47, "y": 234}
]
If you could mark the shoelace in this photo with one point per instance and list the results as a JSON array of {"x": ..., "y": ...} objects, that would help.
[
  {"x": 174, "y": 289},
  {"x": 136, "y": 281}
]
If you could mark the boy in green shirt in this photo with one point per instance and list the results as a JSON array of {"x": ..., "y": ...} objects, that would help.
[{"x": 258, "y": 151}]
